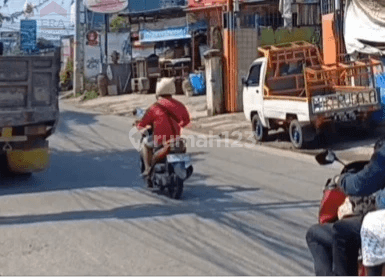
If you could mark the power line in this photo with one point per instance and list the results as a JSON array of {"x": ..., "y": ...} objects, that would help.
[{"x": 16, "y": 15}]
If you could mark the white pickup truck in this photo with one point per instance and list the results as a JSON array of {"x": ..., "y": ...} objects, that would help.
[{"x": 290, "y": 88}]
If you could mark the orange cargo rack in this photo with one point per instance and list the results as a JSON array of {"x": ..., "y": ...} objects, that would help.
[
  {"x": 290, "y": 52},
  {"x": 283, "y": 54},
  {"x": 357, "y": 74}
]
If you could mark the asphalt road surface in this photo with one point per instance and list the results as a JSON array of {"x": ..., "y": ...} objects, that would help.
[{"x": 245, "y": 211}]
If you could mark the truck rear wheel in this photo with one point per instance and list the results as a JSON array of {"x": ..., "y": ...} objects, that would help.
[
  {"x": 296, "y": 134},
  {"x": 260, "y": 132}
]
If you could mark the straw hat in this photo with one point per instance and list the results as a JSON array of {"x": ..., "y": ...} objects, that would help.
[{"x": 165, "y": 86}]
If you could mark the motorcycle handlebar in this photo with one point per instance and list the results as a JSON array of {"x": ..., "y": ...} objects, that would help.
[{"x": 354, "y": 167}]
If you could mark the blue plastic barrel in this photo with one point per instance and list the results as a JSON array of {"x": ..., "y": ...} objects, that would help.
[
  {"x": 198, "y": 83},
  {"x": 379, "y": 116}
]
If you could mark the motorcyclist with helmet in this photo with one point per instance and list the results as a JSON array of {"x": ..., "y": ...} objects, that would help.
[{"x": 166, "y": 117}]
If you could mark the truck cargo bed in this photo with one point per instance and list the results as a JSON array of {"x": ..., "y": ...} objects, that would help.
[{"x": 29, "y": 87}]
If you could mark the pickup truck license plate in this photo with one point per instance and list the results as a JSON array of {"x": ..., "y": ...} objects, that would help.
[
  {"x": 339, "y": 102},
  {"x": 345, "y": 116}
]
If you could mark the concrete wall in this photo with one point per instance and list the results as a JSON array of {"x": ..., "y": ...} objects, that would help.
[
  {"x": 310, "y": 34},
  {"x": 92, "y": 56},
  {"x": 92, "y": 61},
  {"x": 247, "y": 45}
]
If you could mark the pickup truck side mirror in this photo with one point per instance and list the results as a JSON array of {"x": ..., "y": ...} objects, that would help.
[{"x": 244, "y": 82}]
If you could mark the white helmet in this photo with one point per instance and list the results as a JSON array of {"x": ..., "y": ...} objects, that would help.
[{"x": 165, "y": 86}]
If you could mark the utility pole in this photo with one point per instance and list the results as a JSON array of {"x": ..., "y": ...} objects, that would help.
[
  {"x": 230, "y": 58},
  {"x": 79, "y": 50},
  {"x": 107, "y": 23}
]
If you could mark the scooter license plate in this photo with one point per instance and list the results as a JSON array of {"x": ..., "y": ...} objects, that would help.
[{"x": 177, "y": 158}]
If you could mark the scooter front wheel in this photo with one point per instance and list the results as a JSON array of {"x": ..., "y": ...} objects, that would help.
[{"x": 141, "y": 164}]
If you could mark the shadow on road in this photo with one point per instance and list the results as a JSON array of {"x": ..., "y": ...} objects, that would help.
[
  {"x": 344, "y": 139},
  {"x": 216, "y": 203},
  {"x": 68, "y": 118},
  {"x": 226, "y": 205},
  {"x": 74, "y": 170}
]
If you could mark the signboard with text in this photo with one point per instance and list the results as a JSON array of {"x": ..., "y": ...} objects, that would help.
[
  {"x": 28, "y": 35},
  {"x": 106, "y": 6}
]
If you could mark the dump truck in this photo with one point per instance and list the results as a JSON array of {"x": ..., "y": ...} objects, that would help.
[
  {"x": 29, "y": 111},
  {"x": 290, "y": 87}
]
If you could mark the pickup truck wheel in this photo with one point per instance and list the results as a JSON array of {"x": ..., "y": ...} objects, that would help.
[
  {"x": 259, "y": 131},
  {"x": 296, "y": 134}
]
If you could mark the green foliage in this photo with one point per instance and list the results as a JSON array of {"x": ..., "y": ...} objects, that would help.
[
  {"x": 89, "y": 95},
  {"x": 66, "y": 75},
  {"x": 43, "y": 43},
  {"x": 117, "y": 23}
]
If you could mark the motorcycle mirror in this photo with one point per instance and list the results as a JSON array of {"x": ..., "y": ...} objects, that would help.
[
  {"x": 138, "y": 112},
  {"x": 135, "y": 111},
  {"x": 326, "y": 157}
]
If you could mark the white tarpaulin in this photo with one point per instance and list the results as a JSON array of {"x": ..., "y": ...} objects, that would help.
[
  {"x": 365, "y": 26},
  {"x": 285, "y": 10}
]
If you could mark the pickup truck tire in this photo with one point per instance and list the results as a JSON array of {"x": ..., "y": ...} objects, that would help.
[
  {"x": 296, "y": 134},
  {"x": 260, "y": 132}
]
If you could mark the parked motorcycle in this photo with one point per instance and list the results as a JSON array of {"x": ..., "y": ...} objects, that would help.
[
  {"x": 333, "y": 197},
  {"x": 172, "y": 166}
]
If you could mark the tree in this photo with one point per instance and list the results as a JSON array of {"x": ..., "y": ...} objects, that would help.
[
  {"x": 43, "y": 43},
  {"x": 117, "y": 23}
]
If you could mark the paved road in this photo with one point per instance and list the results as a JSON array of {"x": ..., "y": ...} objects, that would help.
[{"x": 244, "y": 211}]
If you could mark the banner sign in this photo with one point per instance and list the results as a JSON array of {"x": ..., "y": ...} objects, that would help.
[
  {"x": 28, "y": 35},
  {"x": 163, "y": 35}
]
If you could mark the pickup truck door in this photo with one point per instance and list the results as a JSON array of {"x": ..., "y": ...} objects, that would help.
[{"x": 253, "y": 90}]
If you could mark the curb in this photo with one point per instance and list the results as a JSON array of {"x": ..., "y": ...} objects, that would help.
[
  {"x": 280, "y": 151},
  {"x": 64, "y": 96},
  {"x": 256, "y": 147}
]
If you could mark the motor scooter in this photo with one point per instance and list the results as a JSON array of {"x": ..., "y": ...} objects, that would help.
[
  {"x": 327, "y": 157},
  {"x": 171, "y": 164}
]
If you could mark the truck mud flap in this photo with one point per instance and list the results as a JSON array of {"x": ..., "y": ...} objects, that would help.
[{"x": 308, "y": 131}]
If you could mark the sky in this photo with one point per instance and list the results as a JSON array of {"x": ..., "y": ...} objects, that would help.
[{"x": 48, "y": 24}]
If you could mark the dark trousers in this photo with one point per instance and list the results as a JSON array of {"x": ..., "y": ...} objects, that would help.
[{"x": 335, "y": 246}]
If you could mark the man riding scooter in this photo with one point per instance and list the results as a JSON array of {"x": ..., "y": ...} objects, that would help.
[
  {"x": 166, "y": 117},
  {"x": 335, "y": 246}
]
